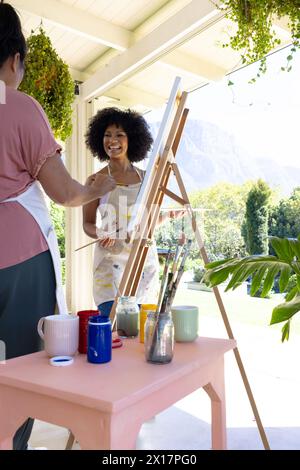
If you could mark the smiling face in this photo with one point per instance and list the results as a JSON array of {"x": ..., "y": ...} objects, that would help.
[{"x": 115, "y": 142}]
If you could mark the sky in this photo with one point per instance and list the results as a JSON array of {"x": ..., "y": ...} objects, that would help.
[{"x": 264, "y": 116}]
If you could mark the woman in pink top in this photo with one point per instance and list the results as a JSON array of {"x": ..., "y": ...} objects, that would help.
[{"x": 29, "y": 159}]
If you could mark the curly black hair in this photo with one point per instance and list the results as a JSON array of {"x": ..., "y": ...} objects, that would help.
[{"x": 132, "y": 123}]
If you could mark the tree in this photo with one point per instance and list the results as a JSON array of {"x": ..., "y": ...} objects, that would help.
[
  {"x": 220, "y": 212},
  {"x": 167, "y": 234},
  {"x": 223, "y": 208},
  {"x": 257, "y": 215},
  {"x": 284, "y": 220}
]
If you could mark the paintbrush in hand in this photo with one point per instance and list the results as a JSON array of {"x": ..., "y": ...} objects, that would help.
[{"x": 98, "y": 239}]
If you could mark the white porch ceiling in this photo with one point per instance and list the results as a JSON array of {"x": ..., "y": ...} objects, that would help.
[{"x": 129, "y": 51}]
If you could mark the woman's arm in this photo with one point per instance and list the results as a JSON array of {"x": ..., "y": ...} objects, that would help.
[
  {"x": 89, "y": 216},
  {"x": 63, "y": 189},
  {"x": 89, "y": 212}
]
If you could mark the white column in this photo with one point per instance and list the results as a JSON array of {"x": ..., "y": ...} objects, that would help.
[{"x": 79, "y": 275}]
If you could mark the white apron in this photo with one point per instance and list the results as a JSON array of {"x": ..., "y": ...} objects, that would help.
[
  {"x": 34, "y": 202},
  {"x": 109, "y": 263}
]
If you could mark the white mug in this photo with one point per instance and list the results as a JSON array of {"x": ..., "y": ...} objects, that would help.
[{"x": 60, "y": 335}]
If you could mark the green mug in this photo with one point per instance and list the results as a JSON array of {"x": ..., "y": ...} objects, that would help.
[{"x": 185, "y": 319}]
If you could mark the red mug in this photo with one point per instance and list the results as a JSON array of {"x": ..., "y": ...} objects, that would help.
[{"x": 83, "y": 328}]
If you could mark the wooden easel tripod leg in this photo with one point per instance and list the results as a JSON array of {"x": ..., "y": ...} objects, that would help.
[{"x": 221, "y": 307}]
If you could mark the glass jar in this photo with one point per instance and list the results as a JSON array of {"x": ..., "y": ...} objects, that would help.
[
  {"x": 159, "y": 338},
  {"x": 127, "y": 314}
]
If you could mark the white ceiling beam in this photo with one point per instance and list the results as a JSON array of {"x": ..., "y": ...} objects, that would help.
[
  {"x": 191, "y": 20},
  {"x": 101, "y": 61},
  {"x": 129, "y": 96},
  {"x": 194, "y": 66},
  {"x": 125, "y": 95},
  {"x": 78, "y": 21},
  {"x": 78, "y": 75},
  {"x": 160, "y": 16}
]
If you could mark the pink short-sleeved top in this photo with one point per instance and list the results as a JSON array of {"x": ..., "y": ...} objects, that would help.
[{"x": 26, "y": 141}]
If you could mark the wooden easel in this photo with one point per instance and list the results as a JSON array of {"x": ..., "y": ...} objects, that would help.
[
  {"x": 160, "y": 167},
  {"x": 143, "y": 231}
]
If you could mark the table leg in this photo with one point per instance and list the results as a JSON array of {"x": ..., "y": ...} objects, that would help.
[
  {"x": 7, "y": 443},
  {"x": 11, "y": 418},
  {"x": 108, "y": 432},
  {"x": 8, "y": 427},
  {"x": 216, "y": 392}
]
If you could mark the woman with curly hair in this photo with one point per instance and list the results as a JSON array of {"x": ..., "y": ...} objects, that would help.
[{"x": 120, "y": 138}]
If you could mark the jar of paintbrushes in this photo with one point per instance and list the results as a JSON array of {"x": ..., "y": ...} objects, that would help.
[{"x": 159, "y": 333}]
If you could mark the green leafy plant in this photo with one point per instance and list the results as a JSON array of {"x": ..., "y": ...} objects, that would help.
[
  {"x": 284, "y": 220},
  {"x": 58, "y": 216},
  {"x": 255, "y": 35},
  {"x": 48, "y": 80},
  {"x": 256, "y": 218},
  {"x": 263, "y": 270}
]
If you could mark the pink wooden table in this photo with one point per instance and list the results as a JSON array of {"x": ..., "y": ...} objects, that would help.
[{"x": 105, "y": 405}]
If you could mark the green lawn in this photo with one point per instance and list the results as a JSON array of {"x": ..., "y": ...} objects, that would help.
[{"x": 239, "y": 307}]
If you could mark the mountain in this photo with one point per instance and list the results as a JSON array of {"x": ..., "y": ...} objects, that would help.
[{"x": 208, "y": 155}]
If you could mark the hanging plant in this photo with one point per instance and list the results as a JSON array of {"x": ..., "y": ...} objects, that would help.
[
  {"x": 255, "y": 36},
  {"x": 48, "y": 80}
]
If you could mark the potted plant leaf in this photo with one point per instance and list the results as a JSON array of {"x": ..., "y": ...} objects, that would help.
[
  {"x": 263, "y": 269},
  {"x": 255, "y": 35},
  {"x": 48, "y": 80}
]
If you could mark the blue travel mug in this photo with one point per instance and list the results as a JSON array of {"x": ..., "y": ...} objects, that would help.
[{"x": 99, "y": 340}]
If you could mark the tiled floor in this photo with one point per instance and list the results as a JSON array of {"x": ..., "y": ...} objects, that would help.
[{"x": 274, "y": 375}]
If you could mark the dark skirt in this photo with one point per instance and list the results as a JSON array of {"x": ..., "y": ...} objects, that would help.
[{"x": 27, "y": 293}]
